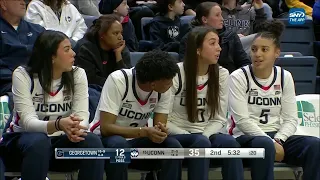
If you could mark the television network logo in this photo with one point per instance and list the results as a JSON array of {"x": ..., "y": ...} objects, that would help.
[{"x": 297, "y": 16}]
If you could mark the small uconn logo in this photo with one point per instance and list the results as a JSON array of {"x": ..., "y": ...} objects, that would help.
[{"x": 297, "y": 16}]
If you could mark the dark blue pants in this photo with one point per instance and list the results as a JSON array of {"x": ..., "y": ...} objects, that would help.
[
  {"x": 170, "y": 169},
  {"x": 232, "y": 168},
  {"x": 198, "y": 168},
  {"x": 261, "y": 169},
  {"x": 32, "y": 154},
  {"x": 303, "y": 151}
]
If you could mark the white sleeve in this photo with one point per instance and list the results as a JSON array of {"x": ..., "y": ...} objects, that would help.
[
  {"x": 21, "y": 86},
  {"x": 163, "y": 106},
  {"x": 172, "y": 128},
  {"x": 219, "y": 120},
  {"x": 80, "y": 104},
  {"x": 112, "y": 94},
  {"x": 239, "y": 107},
  {"x": 33, "y": 14},
  {"x": 289, "y": 112},
  {"x": 80, "y": 27}
]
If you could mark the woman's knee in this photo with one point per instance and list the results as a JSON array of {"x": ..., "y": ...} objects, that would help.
[
  {"x": 115, "y": 142},
  {"x": 264, "y": 142},
  {"x": 200, "y": 141},
  {"x": 92, "y": 141},
  {"x": 171, "y": 142},
  {"x": 225, "y": 141},
  {"x": 35, "y": 143}
]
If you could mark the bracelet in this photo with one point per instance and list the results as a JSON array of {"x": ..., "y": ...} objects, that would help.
[
  {"x": 279, "y": 141},
  {"x": 58, "y": 123}
]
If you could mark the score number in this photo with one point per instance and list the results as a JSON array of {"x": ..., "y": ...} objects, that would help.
[
  {"x": 119, "y": 152},
  {"x": 194, "y": 152}
]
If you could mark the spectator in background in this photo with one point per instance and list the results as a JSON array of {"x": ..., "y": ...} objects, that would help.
[
  {"x": 232, "y": 55},
  {"x": 58, "y": 15},
  {"x": 120, "y": 8},
  {"x": 87, "y": 7},
  {"x": 242, "y": 20},
  {"x": 16, "y": 40},
  {"x": 166, "y": 29},
  {"x": 102, "y": 50},
  {"x": 316, "y": 12},
  {"x": 306, "y": 5}
]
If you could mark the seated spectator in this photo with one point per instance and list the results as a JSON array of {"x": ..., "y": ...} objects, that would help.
[
  {"x": 242, "y": 20},
  {"x": 102, "y": 50},
  {"x": 165, "y": 29},
  {"x": 58, "y": 15},
  {"x": 16, "y": 40},
  {"x": 138, "y": 10},
  {"x": 316, "y": 12},
  {"x": 87, "y": 7},
  {"x": 232, "y": 55},
  {"x": 120, "y": 8},
  {"x": 304, "y": 4},
  {"x": 50, "y": 111}
]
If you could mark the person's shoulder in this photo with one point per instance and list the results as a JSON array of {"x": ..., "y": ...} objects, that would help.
[
  {"x": 34, "y": 27},
  {"x": 238, "y": 72},
  {"x": 20, "y": 71},
  {"x": 223, "y": 72},
  {"x": 78, "y": 72},
  {"x": 286, "y": 74},
  {"x": 71, "y": 7},
  {"x": 121, "y": 75},
  {"x": 36, "y": 3},
  {"x": 84, "y": 43}
]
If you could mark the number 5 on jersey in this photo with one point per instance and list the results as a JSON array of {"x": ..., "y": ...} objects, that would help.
[{"x": 264, "y": 116}]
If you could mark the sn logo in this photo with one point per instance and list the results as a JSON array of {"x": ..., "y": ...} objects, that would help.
[{"x": 297, "y": 16}]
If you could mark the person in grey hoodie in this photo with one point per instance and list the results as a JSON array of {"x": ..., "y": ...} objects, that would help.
[
  {"x": 87, "y": 7},
  {"x": 242, "y": 19}
]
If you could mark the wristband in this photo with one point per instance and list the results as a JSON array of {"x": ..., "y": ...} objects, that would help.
[
  {"x": 279, "y": 141},
  {"x": 58, "y": 123}
]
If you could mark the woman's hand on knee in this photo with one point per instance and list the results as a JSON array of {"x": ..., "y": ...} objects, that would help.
[{"x": 279, "y": 152}]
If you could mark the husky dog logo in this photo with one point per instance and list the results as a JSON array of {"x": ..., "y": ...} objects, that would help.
[
  {"x": 134, "y": 153},
  {"x": 307, "y": 114},
  {"x": 173, "y": 32}
]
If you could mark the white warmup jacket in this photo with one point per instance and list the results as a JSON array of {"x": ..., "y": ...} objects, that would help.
[{"x": 71, "y": 21}]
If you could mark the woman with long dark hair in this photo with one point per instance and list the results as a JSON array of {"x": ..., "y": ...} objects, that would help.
[
  {"x": 50, "y": 111},
  {"x": 103, "y": 49},
  {"x": 232, "y": 55},
  {"x": 199, "y": 105}
]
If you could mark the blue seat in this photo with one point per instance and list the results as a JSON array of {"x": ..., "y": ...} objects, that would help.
[
  {"x": 89, "y": 20},
  {"x": 144, "y": 22},
  {"x": 303, "y": 70},
  {"x": 298, "y": 37},
  {"x": 136, "y": 56},
  {"x": 295, "y": 54},
  {"x": 186, "y": 19}
]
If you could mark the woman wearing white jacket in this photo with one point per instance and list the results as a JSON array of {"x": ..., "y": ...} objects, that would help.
[{"x": 58, "y": 15}]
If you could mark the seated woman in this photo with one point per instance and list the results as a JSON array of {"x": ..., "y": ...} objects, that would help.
[
  {"x": 50, "y": 111},
  {"x": 58, "y": 15},
  {"x": 199, "y": 105},
  {"x": 264, "y": 113},
  {"x": 102, "y": 50}
]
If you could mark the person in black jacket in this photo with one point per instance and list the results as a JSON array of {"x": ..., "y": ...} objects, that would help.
[
  {"x": 166, "y": 29},
  {"x": 102, "y": 50},
  {"x": 232, "y": 55},
  {"x": 120, "y": 8}
]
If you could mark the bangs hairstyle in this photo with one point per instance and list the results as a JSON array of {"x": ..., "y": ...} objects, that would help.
[
  {"x": 195, "y": 42},
  {"x": 271, "y": 29},
  {"x": 100, "y": 26},
  {"x": 202, "y": 10},
  {"x": 40, "y": 63}
]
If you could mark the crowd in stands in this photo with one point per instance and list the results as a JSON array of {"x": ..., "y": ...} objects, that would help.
[{"x": 47, "y": 50}]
